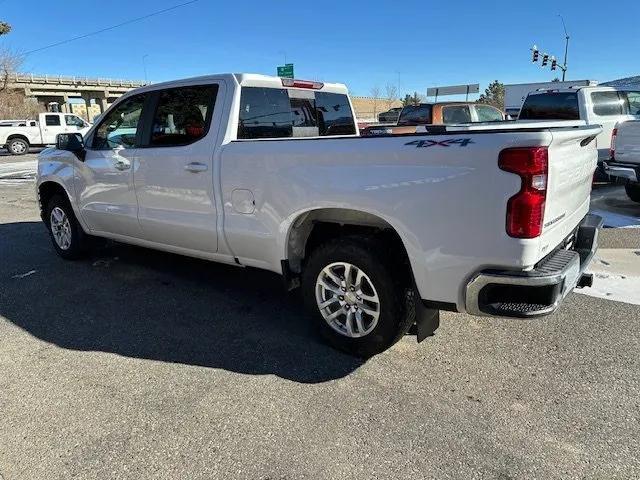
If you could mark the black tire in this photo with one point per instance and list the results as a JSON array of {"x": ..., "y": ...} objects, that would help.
[
  {"x": 390, "y": 280},
  {"x": 79, "y": 241},
  {"x": 633, "y": 191},
  {"x": 18, "y": 146}
]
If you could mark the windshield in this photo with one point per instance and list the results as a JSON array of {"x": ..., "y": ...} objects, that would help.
[{"x": 415, "y": 115}]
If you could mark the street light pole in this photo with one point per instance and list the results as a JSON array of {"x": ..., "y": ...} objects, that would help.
[
  {"x": 144, "y": 65},
  {"x": 566, "y": 47}
]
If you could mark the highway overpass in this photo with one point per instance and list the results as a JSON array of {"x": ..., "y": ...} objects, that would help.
[{"x": 47, "y": 89}]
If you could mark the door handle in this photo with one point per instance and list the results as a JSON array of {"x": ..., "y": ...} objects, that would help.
[
  {"x": 122, "y": 164},
  {"x": 196, "y": 167}
]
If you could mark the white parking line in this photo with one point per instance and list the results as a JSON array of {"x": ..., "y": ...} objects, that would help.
[{"x": 616, "y": 275}]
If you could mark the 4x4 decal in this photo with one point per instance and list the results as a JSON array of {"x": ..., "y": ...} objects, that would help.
[{"x": 463, "y": 142}]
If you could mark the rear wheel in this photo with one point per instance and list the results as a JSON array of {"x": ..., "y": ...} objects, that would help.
[
  {"x": 357, "y": 296},
  {"x": 67, "y": 235},
  {"x": 18, "y": 146},
  {"x": 633, "y": 191}
]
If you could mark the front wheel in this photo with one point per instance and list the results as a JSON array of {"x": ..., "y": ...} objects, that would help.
[
  {"x": 67, "y": 235},
  {"x": 633, "y": 191},
  {"x": 18, "y": 146},
  {"x": 357, "y": 296}
]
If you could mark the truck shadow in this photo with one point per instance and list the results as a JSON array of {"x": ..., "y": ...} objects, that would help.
[{"x": 151, "y": 305}]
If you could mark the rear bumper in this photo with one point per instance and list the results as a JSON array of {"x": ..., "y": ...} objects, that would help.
[
  {"x": 629, "y": 171},
  {"x": 540, "y": 291}
]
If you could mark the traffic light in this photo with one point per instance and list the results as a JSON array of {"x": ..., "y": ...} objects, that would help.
[
  {"x": 554, "y": 63},
  {"x": 535, "y": 54},
  {"x": 545, "y": 59}
]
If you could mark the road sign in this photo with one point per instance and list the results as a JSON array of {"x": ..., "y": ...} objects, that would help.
[
  {"x": 286, "y": 71},
  {"x": 453, "y": 90}
]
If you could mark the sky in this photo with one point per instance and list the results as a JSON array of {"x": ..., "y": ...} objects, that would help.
[{"x": 413, "y": 44}]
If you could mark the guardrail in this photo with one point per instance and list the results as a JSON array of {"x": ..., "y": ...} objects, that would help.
[{"x": 62, "y": 80}]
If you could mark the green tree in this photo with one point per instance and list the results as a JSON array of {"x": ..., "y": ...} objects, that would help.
[
  {"x": 493, "y": 95},
  {"x": 414, "y": 99},
  {"x": 4, "y": 28}
]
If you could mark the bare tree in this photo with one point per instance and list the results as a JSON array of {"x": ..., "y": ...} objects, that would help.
[
  {"x": 375, "y": 94},
  {"x": 391, "y": 94},
  {"x": 13, "y": 103}
]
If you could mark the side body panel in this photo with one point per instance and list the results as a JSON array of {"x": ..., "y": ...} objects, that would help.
[{"x": 444, "y": 195}]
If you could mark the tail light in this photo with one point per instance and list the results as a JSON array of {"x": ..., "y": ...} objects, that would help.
[
  {"x": 612, "y": 150},
  {"x": 290, "y": 82},
  {"x": 525, "y": 210}
]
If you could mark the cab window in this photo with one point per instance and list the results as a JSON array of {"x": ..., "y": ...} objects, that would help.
[
  {"x": 456, "y": 114},
  {"x": 74, "y": 121},
  {"x": 415, "y": 115},
  {"x": 487, "y": 113},
  {"x": 183, "y": 115},
  {"x": 608, "y": 103},
  {"x": 119, "y": 127},
  {"x": 52, "y": 120},
  {"x": 551, "y": 106},
  {"x": 282, "y": 113}
]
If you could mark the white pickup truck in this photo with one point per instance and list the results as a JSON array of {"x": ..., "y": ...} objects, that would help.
[
  {"x": 624, "y": 161},
  {"x": 595, "y": 105},
  {"x": 380, "y": 233},
  {"x": 18, "y": 135}
]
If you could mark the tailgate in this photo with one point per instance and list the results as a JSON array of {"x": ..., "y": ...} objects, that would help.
[
  {"x": 628, "y": 142},
  {"x": 573, "y": 158}
]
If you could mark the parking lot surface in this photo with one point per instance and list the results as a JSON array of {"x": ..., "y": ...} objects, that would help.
[{"x": 139, "y": 364}]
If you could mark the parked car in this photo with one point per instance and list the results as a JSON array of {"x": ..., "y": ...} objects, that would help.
[
  {"x": 18, "y": 135},
  {"x": 390, "y": 116},
  {"x": 379, "y": 233},
  {"x": 624, "y": 160},
  {"x": 442, "y": 113},
  {"x": 605, "y": 106}
]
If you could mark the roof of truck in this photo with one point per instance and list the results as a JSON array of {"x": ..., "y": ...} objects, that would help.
[
  {"x": 576, "y": 88},
  {"x": 244, "y": 79}
]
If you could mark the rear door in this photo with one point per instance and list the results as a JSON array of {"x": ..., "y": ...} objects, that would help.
[
  {"x": 174, "y": 175},
  {"x": 51, "y": 127}
]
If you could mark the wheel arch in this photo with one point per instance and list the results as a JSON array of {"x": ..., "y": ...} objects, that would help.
[
  {"x": 314, "y": 226},
  {"x": 21, "y": 136},
  {"x": 46, "y": 191}
]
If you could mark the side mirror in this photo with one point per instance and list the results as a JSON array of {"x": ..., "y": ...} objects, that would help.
[{"x": 71, "y": 142}]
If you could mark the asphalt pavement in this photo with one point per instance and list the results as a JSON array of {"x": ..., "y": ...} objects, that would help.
[{"x": 140, "y": 364}]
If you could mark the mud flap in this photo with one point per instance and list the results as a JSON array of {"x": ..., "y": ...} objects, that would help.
[{"x": 427, "y": 321}]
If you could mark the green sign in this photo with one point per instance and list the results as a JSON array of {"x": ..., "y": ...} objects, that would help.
[{"x": 286, "y": 71}]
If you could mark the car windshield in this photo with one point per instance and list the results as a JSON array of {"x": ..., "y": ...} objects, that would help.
[{"x": 415, "y": 115}]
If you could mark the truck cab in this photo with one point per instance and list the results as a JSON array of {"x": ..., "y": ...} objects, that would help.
[{"x": 595, "y": 105}]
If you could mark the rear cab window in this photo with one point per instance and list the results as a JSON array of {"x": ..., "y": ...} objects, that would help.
[
  {"x": 267, "y": 112},
  {"x": 551, "y": 106},
  {"x": 415, "y": 115}
]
